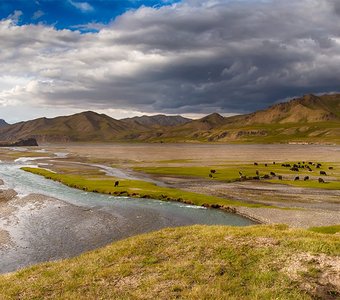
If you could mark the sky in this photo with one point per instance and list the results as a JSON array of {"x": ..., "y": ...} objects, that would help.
[{"x": 189, "y": 57}]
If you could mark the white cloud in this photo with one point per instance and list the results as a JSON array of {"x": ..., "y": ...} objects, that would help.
[
  {"x": 38, "y": 14},
  {"x": 82, "y": 6},
  {"x": 193, "y": 57},
  {"x": 15, "y": 16}
]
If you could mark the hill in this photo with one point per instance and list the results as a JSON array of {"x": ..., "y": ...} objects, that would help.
[
  {"x": 156, "y": 121},
  {"x": 3, "y": 123},
  {"x": 307, "y": 109},
  {"x": 309, "y": 119},
  {"x": 85, "y": 126},
  {"x": 197, "y": 262}
]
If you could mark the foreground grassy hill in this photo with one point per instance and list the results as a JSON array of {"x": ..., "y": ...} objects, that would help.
[{"x": 197, "y": 262}]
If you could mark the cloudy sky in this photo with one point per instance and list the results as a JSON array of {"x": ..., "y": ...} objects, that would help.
[{"x": 191, "y": 57}]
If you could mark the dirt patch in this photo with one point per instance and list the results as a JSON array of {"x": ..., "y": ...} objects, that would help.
[
  {"x": 295, "y": 218},
  {"x": 319, "y": 274},
  {"x": 5, "y": 239},
  {"x": 7, "y": 195}
]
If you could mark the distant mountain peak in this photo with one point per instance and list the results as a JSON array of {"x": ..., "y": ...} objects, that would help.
[
  {"x": 3, "y": 123},
  {"x": 157, "y": 120},
  {"x": 213, "y": 118}
]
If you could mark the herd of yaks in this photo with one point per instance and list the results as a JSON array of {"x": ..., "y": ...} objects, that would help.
[{"x": 295, "y": 167}]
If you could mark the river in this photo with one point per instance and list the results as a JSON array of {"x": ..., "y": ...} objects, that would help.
[{"x": 66, "y": 222}]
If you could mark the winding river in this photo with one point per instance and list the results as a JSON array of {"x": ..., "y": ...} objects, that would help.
[{"x": 71, "y": 221}]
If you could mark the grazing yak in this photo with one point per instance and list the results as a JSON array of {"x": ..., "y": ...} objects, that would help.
[
  {"x": 116, "y": 183},
  {"x": 321, "y": 180},
  {"x": 255, "y": 164},
  {"x": 213, "y": 171},
  {"x": 280, "y": 177},
  {"x": 306, "y": 178},
  {"x": 297, "y": 178},
  {"x": 257, "y": 173},
  {"x": 330, "y": 168},
  {"x": 323, "y": 173},
  {"x": 272, "y": 173}
]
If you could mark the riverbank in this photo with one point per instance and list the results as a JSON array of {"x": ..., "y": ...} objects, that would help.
[
  {"x": 303, "y": 214},
  {"x": 37, "y": 228},
  {"x": 140, "y": 169}
]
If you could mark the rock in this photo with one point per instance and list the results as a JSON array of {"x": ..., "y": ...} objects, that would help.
[{"x": 23, "y": 142}]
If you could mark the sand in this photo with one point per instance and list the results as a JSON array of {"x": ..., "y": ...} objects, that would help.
[{"x": 203, "y": 153}]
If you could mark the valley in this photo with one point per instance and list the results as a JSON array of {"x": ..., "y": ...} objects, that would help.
[{"x": 178, "y": 175}]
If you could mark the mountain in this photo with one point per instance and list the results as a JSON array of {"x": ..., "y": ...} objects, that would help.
[
  {"x": 156, "y": 121},
  {"x": 310, "y": 119},
  {"x": 85, "y": 126},
  {"x": 307, "y": 109},
  {"x": 3, "y": 123}
]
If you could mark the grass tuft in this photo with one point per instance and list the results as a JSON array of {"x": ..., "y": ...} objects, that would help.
[{"x": 326, "y": 229}]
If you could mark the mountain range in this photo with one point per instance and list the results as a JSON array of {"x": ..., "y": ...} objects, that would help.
[{"x": 311, "y": 118}]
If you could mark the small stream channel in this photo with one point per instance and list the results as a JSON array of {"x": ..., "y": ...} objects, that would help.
[{"x": 81, "y": 221}]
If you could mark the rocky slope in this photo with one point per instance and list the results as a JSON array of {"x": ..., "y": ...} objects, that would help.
[
  {"x": 3, "y": 123},
  {"x": 156, "y": 121}
]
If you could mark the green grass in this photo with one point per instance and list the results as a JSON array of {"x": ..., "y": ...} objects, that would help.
[
  {"x": 326, "y": 229},
  {"x": 136, "y": 188},
  {"x": 18, "y": 154},
  {"x": 230, "y": 173},
  {"x": 197, "y": 262}
]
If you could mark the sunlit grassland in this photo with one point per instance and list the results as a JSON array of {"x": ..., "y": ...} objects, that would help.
[
  {"x": 233, "y": 172},
  {"x": 196, "y": 262},
  {"x": 18, "y": 154},
  {"x": 326, "y": 229},
  {"x": 134, "y": 188}
]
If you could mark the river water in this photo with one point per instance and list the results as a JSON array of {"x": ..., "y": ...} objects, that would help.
[{"x": 72, "y": 221}]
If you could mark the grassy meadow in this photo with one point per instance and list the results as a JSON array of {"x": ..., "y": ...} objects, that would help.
[
  {"x": 197, "y": 262},
  {"x": 135, "y": 188},
  {"x": 242, "y": 172}
]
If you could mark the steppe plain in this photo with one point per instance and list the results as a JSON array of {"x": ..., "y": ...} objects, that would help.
[{"x": 187, "y": 167}]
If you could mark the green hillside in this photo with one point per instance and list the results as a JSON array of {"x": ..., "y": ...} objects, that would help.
[{"x": 197, "y": 262}]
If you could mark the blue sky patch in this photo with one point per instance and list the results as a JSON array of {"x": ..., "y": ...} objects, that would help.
[{"x": 72, "y": 14}]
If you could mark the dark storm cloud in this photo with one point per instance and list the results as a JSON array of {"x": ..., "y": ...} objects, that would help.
[{"x": 197, "y": 56}]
